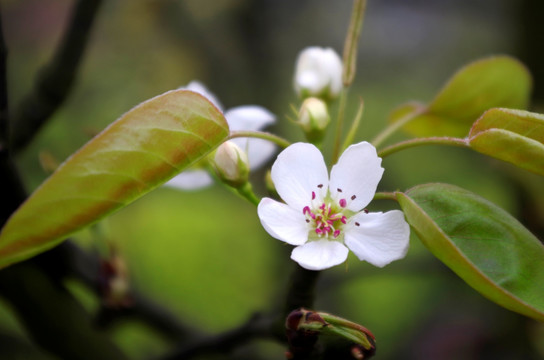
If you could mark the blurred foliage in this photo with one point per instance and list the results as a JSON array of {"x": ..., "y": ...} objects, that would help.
[{"x": 217, "y": 271}]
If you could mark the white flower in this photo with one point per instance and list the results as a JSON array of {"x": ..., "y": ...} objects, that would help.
[
  {"x": 323, "y": 217},
  {"x": 248, "y": 117},
  {"x": 318, "y": 73}
]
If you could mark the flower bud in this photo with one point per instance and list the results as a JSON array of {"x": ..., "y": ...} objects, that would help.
[
  {"x": 314, "y": 118},
  {"x": 318, "y": 73},
  {"x": 231, "y": 164},
  {"x": 114, "y": 282}
]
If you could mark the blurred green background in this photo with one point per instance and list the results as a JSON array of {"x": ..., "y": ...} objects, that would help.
[{"x": 204, "y": 254}]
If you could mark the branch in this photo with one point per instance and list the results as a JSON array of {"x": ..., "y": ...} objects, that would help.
[
  {"x": 258, "y": 326},
  {"x": 55, "y": 82},
  {"x": 3, "y": 91},
  {"x": 54, "y": 319},
  {"x": 85, "y": 267},
  {"x": 301, "y": 291}
]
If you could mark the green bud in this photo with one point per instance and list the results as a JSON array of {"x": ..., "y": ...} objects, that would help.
[
  {"x": 313, "y": 118},
  {"x": 358, "y": 334},
  {"x": 305, "y": 326},
  {"x": 231, "y": 164}
]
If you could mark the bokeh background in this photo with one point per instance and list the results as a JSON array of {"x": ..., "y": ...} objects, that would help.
[{"x": 204, "y": 254}]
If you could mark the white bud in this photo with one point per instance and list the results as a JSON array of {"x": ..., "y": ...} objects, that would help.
[
  {"x": 231, "y": 164},
  {"x": 318, "y": 73},
  {"x": 313, "y": 114},
  {"x": 314, "y": 118}
]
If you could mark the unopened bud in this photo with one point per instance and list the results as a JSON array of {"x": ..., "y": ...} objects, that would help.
[
  {"x": 114, "y": 282},
  {"x": 314, "y": 118},
  {"x": 231, "y": 164},
  {"x": 318, "y": 73}
]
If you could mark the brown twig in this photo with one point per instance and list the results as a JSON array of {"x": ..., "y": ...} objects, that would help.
[{"x": 56, "y": 79}]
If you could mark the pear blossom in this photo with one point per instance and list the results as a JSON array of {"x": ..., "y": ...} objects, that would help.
[
  {"x": 247, "y": 117},
  {"x": 318, "y": 73},
  {"x": 324, "y": 217}
]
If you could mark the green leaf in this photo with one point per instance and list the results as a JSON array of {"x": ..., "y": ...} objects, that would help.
[
  {"x": 525, "y": 123},
  {"x": 499, "y": 81},
  {"x": 483, "y": 244},
  {"x": 141, "y": 150},
  {"x": 514, "y": 136}
]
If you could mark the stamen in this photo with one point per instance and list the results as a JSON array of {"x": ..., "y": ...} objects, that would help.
[
  {"x": 353, "y": 197},
  {"x": 357, "y": 224},
  {"x": 365, "y": 211},
  {"x": 320, "y": 186},
  {"x": 339, "y": 190},
  {"x": 326, "y": 219}
]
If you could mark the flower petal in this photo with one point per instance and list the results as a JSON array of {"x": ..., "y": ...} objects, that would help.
[
  {"x": 259, "y": 151},
  {"x": 297, "y": 172},
  {"x": 283, "y": 222},
  {"x": 249, "y": 117},
  {"x": 319, "y": 255},
  {"x": 357, "y": 173},
  {"x": 198, "y": 87},
  {"x": 380, "y": 238},
  {"x": 252, "y": 117},
  {"x": 191, "y": 180}
]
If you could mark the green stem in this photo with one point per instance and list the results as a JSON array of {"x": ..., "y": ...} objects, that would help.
[
  {"x": 385, "y": 196},
  {"x": 354, "y": 126},
  {"x": 422, "y": 141},
  {"x": 246, "y": 191},
  {"x": 391, "y": 129},
  {"x": 260, "y": 135},
  {"x": 339, "y": 125},
  {"x": 352, "y": 39}
]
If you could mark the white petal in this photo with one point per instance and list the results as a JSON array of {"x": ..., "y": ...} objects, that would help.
[
  {"x": 358, "y": 173},
  {"x": 259, "y": 152},
  {"x": 334, "y": 67},
  {"x": 319, "y": 255},
  {"x": 380, "y": 238},
  {"x": 249, "y": 117},
  {"x": 252, "y": 117},
  {"x": 298, "y": 171},
  {"x": 308, "y": 80},
  {"x": 191, "y": 180},
  {"x": 283, "y": 222},
  {"x": 198, "y": 87}
]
